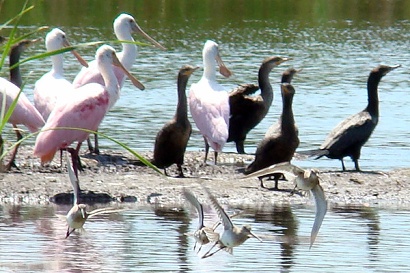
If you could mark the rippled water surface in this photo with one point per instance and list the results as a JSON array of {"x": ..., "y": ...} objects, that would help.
[
  {"x": 352, "y": 239},
  {"x": 336, "y": 46}
]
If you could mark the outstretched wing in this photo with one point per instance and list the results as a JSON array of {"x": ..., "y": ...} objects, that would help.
[
  {"x": 226, "y": 221},
  {"x": 321, "y": 209},
  {"x": 286, "y": 168},
  {"x": 73, "y": 180},
  {"x": 103, "y": 211},
  {"x": 195, "y": 203}
]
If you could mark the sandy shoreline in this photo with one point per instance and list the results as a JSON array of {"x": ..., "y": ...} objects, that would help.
[{"x": 119, "y": 175}]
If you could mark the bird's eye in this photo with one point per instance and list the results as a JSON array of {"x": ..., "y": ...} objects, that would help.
[{"x": 63, "y": 36}]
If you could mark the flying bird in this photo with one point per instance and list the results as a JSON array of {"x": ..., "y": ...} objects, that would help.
[
  {"x": 200, "y": 234},
  {"x": 306, "y": 180},
  {"x": 78, "y": 215},
  {"x": 231, "y": 235}
]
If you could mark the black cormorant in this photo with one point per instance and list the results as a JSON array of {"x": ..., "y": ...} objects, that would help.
[
  {"x": 247, "y": 111},
  {"x": 347, "y": 138},
  {"x": 172, "y": 139}
]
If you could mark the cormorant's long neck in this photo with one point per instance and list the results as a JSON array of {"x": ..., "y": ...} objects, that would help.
[
  {"x": 264, "y": 84},
  {"x": 15, "y": 76},
  {"x": 288, "y": 120},
  {"x": 182, "y": 107},
  {"x": 372, "y": 94}
]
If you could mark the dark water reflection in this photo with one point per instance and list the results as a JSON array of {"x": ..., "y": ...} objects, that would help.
[{"x": 155, "y": 239}]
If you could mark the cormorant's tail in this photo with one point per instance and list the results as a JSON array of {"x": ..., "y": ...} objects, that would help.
[{"x": 318, "y": 153}]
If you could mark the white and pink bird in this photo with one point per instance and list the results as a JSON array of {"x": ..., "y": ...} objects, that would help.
[
  {"x": 84, "y": 107},
  {"x": 209, "y": 102},
  {"x": 124, "y": 26},
  {"x": 24, "y": 112},
  {"x": 53, "y": 85}
]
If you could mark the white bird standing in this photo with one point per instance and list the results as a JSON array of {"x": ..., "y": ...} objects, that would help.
[
  {"x": 24, "y": 112},
  {"x": 124, "y": 25},
  {"x": 209, "y": 103},
  {"x": 53, "y": 85},
  {"x": 306, "y": 180}
]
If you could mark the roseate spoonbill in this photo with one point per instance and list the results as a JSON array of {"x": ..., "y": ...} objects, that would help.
[
  {"x": 246, "y": 110},
  {"x": 83, "y": 107},
  {"x": 348, "y": 137},
  {"x": 53, "y": 85},
  {"x": 281, "y": 140},
  {"x": 78, "y": 214},
  {"x": 209, "y": 103},
  {"x": 306, "y": 180},
  {"x": 231, "y": 236},
  {"x": 172, "y": 139},
  {"x": 24, "y": 113},
  {"x": 124, "y": 26}
]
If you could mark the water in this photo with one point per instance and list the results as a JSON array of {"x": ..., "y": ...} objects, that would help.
[
  {"x": 352, "y": 239},
  {"x": 336, "y": 43},
  {"x": 336, "y": 47}
]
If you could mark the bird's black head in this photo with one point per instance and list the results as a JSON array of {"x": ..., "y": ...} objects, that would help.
[
  {"x": 23, "y": 45},
  {"x": 187, "y": 70},
  {"x": 382, "y": 70},
  {"x": 288, "y": 74}
]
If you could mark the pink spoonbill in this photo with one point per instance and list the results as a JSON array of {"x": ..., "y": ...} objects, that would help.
[
  {"x": 83, "y": 107},
  {"x": 53, "y": 85},
  {"x": 209, "y": 102},
  {"x": 24, "y": 112},
  {"x": 124, "y": 25}
]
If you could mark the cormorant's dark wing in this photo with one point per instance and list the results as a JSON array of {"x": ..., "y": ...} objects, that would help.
[
  {"x": 244, "y": 90},
  {"x": 352, "y": 131},
  {"x": 241, "y": 102}
]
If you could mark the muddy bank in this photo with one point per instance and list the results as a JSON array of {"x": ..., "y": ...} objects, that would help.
[{"x": 124, "y": 178}]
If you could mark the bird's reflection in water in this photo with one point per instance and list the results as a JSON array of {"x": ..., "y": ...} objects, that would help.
[
  {"x": 371, "y": 219},
  {"x": 180, "y": 216},
  {"x": 282, "y": 217}
]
